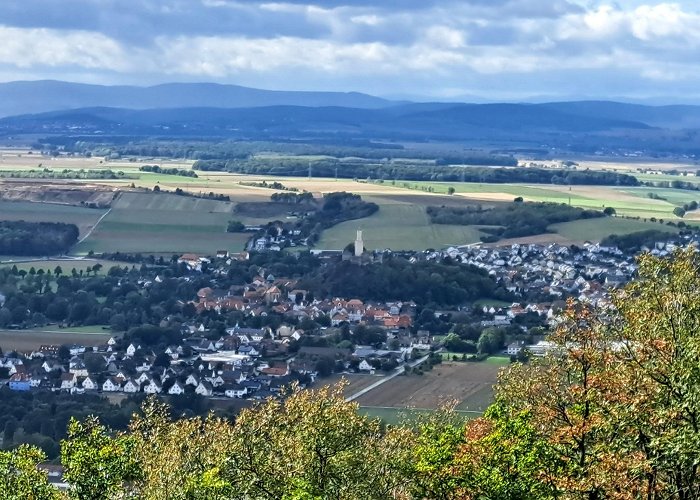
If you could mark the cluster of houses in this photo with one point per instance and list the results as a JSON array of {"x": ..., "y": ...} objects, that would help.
[
  {"x": 258, "y": 362},
  {"x": 281, "y": 295},
  {"x": 229, "y": 367}
]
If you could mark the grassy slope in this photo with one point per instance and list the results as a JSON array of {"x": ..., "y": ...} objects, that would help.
[
  {"x": 399, "y": 226},
  {"x": 597, "y": 229}
]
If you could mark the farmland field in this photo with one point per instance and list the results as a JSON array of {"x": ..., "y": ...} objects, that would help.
[
  {"x": 164, "y": 223},
  {"x": 597, "y": 229},
  {"x": 399, "y": 225},
  {"x": 470, "y": 384},
  {"x": 355, "y": 381},
  {"x": 28, "y": 211},
  {"x": 29, "y": 340}
]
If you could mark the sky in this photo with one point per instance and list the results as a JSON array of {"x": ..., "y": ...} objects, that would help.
[{"x": 420, "y": 49}]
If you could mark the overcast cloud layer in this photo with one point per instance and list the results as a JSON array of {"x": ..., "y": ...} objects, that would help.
[{"x": 495, "y": 49}]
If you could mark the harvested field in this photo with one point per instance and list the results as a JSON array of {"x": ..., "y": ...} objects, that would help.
[
  {"x": 57, "y": 192},
  {"x": 166, "y": 224},
  {"x": 470, "y": 384},
  {"x": 30, "y": 340},
  {"x": 355, "y": 381}
]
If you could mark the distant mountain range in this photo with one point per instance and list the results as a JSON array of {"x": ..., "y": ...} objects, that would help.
[
  {"x": 228, "y": 111},
  {"x": 49, "y": 95}
]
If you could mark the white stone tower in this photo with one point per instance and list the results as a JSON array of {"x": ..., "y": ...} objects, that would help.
[{"x": 359, "y": 244}]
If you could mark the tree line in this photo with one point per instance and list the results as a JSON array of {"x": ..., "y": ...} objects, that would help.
[
  {"x": 347, "y": 169},
  {"x": 510, "y": 220},
  {"x": 156, "y": 169}
]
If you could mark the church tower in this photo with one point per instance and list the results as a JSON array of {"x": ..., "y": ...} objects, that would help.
[{"x": 359, "y": 244}]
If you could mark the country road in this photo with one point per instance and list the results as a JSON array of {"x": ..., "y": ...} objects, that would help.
[{"x": 399, "y": 371}]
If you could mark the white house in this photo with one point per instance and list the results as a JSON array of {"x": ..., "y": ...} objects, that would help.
[
  {"x": 204, "y": 389},
  {"x": 131, "y": 386},
  {"x": 177, "y": 389},
  {"x": 192, "y": 379},
  {"x": 152, "y": 387},
  {"x": 78, "y": 369},
  {"x": 514, "y": 348},
  {"x": 67, "y": 381},
  {"x": 131, "y": 350},
  {"x": 111, "y": 385},
  {"x": 236, "y": 391},
  {"x": 365, "y": 366},
  {"x": 143, "y": 378},
  {"x": 90, "y": 384}
]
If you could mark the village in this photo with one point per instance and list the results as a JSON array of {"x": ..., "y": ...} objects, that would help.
[{"x": 320, "y": 336}]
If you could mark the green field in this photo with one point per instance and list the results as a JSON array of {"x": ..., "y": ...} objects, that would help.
[
  {"x": 597, "y": 229},
  {"x": 164, "y": 223},
  {"x": 398, "y": 225},
  {"x": 626, "y": 201},
  {"x": 29, "y": 211}
]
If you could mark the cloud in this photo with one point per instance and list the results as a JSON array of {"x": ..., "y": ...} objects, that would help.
[{"x": 421, "y": 47}]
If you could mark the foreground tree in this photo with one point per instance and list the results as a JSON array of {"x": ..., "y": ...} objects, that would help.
[
  {"x": 315, "y": 445},
  {"x": 19, "y": 477},
  {"x": 613, "y": 409}
]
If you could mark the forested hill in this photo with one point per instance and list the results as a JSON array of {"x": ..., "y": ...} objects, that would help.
[{"x": 410, "y": 121}]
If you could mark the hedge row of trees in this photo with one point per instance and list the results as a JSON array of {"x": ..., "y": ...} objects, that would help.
[
  {"x": 47, "y": 173},
  {"x": 510, "y": 220},
  {"x": 610, "y": 413},
  {"x": 156, "y": 169},
  {"x": 36, "y": 238},
  {"x": 414, "y": 172}
]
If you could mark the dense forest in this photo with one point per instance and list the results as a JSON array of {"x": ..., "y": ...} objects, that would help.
[
  {"x": 445, "y": 283},
  {"x": 610, "y": 413},
  {"x": 36, "y": 238},
  {"x": 414, "y": 172},
  {"x": 510, "y": 220}
]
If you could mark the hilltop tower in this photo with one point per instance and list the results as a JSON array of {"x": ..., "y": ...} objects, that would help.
[{"x": 359, "y": 244}]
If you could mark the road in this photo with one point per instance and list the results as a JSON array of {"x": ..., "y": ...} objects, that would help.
[{"x": 399, "y": 371}]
